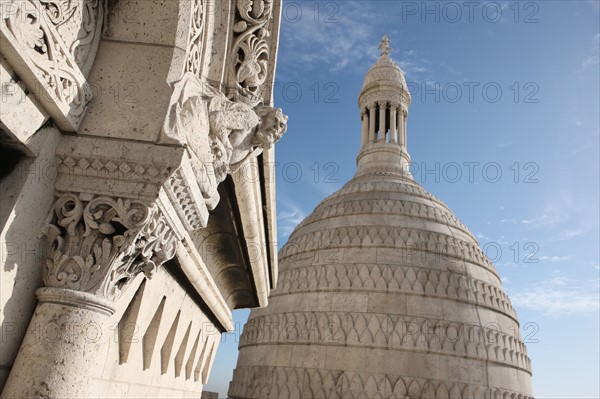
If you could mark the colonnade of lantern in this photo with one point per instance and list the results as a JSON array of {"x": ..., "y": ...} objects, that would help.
[{"x": 383, "y": 121}]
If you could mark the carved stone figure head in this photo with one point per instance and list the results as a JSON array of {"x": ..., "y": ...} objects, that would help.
[{"x": 273, "y": 125}]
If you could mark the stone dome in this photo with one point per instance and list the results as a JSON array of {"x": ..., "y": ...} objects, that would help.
[
  {"x": 384, "y": 71},
  {"x": 384, "y": 79},
  {"x": 383, "y": 293}
]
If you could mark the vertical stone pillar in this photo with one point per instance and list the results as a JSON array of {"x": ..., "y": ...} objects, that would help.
[
  {"x": 404, "y": 118},
  {"x": 382, "y": 129},
  {"x": 364, "y": 137},
  {"x": 401, "y": 127},
  {"x": 393, "y": 123},
  {"x": 95, "y": 247},
  {"x": 372, "y": 108},
  {"x": 64, "y": 345}
]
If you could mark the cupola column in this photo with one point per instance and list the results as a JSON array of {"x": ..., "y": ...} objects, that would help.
[
  {"x": 399, "y": 125},
  {"x": 404, "y": 117},
  {"x": 364, "y": 137},
  {"x": 393, "y": 123},
  {"x": 382, "y": 127},
  {"x": 372, "y": 109}
]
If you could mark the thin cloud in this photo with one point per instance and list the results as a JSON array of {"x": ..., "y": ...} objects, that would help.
[
  {"x": 589, "y": 62},
  {"x": 344, "y": 32},
  {"x": 592, "y": 60},
  {"x": 553, "y": 259},
  {"x": 415, "y": 66},
  {"x": 564, "y": 214},
  {"x": 288, "y": 218},
  {"x": 573, "y": 233},
  {"x": 559, "y": 296}
]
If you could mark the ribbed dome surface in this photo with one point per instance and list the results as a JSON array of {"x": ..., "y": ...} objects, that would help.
[
  {"x": 383, "y": 293},
  {"x": 384, "y": 71}
]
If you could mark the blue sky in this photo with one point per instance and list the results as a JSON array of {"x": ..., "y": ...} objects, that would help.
[{"x": 503, "y": 127}]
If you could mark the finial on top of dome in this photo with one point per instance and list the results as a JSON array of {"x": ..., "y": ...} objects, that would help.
[{"x": 384, "y": 46}]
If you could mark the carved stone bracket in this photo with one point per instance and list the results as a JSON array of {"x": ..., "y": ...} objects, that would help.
[
  {"x": 38, "y": 53},
  {"x": 99, "y": 244}
]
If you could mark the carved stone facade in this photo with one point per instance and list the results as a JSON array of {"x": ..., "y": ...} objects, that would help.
[
  {"x": 383, "y": 292},
  {"x": 136, "y": 136}
]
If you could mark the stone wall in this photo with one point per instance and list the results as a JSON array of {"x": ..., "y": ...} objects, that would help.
[{"x": 134, "y": 136}]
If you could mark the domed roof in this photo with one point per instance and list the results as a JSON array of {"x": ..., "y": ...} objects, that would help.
[
  {"x": 384, "y": 71},
  {"x": 383, "y": 292}
]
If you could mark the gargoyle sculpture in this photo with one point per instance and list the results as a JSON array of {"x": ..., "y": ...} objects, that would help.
[{"x": 220, "y": 134}]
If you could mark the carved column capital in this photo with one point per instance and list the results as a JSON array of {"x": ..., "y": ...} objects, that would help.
[{"x": 98, "y": 245}]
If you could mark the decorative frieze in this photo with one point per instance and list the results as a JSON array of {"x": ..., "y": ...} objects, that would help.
[
  {"x": 289, "y": 382},
  {"x": 384, "y": 206},
  {"x": 393, "y": 278},
  {"x": 99, "y": 244},
  {"x": 387, "y": 236},
  {"x": 388, "y": 331}
]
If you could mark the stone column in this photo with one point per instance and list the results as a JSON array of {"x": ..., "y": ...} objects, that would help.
[
  {"x": 64, "y": 346},
  {"x": 404, "y": 118},
  {"x": 401, "y": 127},
  {"x": 393, "y": 123},
  {"x": 382, "y": 130},
  {"x": 372, "y": 122},
  {"x": 365, "y": 127},
  {"x": 95, "y": 247}
]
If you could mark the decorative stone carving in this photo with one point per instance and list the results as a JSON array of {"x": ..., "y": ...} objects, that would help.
[
  {"x": 250, "y": 51},
  {"x": 386, "y": 206},
  {"x": 239, "y": 132},
  {"x": 99, "y": 244},
  {"x": 291, "y": 382},
  {"x": 44, "y": 61},
  {"x": 388, "y": 236},
  {"x": 394, "y": 278},
  {"x": 79, "y": 24},
  {"x": 195, "y": 50},
  {"x": 387, "y": 331},
  {"x": 220, "y": 134}
]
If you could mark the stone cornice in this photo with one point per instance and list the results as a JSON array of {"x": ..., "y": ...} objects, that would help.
[{"x": 197, "y": 272}]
